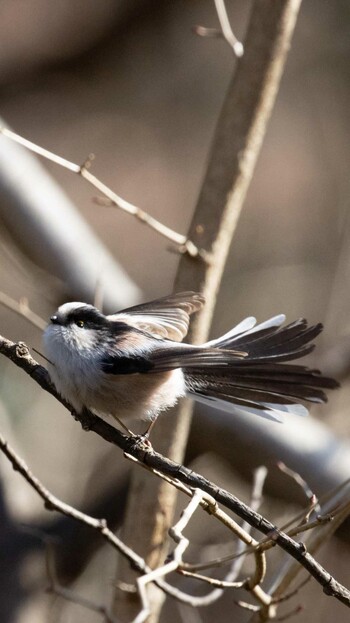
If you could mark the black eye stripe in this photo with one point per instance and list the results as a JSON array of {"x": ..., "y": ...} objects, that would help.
[{"x": 91, "y": 318}]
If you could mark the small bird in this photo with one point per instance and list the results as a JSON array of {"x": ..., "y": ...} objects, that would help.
[{"x": 132, "y": 364}]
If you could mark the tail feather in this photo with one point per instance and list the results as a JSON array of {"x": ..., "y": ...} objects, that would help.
[
  {"x": 285, "y": 341},
  {"x": 240, "y": 334},
  {"x": 268, "y": 390},
  {"x": 262, "y": 381},
  {"x": 265, "y": 340},
  {"x": 275, "y": 413}
]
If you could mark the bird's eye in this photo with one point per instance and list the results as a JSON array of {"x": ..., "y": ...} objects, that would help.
[{"x": 80, "y": 323}]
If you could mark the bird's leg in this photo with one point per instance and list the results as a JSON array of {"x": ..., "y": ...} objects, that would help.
[
  {"x": 140, "y": 439},
  {"x": 143, "y": 438},
  {"x": 147, "y": 433},
  {"x": 122, "y": 425}
]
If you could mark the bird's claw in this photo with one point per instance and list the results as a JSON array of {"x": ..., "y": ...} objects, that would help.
[{"x": 142, "y": 440}]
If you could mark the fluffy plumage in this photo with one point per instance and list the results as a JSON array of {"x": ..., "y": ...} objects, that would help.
[{"x": 132, "y": 364}]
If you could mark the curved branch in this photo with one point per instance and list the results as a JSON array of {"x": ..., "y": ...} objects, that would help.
[{"x": 19, "y": 354}]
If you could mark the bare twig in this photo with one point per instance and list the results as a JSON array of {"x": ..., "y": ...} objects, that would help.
[
  {"x": 225, "y": 32},
  {"x": 211, "y": 581},
  {"x": 245, "y": 606},
  {"x": 182, "y": 544},
  {"x": 228, "y": 35},
  {"x": 52, "y": 503},
  {"x": 313, "y": 501},
  {"x": 19, "y": 354},
  {"x": 238, "y": 557},
  {"x": 34, "y": 207},
  {"x": 293, "y": 592},
  {"x": 186, "y": 246},
  {"x": 242, "y": 532},
  {"x": 329, "y": 502},
  {"x": 270, "y": 540},
  {"x": 255, "y": 502},
  {"x": 289, "y": 571},
  {"x": 251, "y": 584}
]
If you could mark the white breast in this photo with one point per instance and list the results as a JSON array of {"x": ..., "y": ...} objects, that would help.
[{"x": 77, "y": 375}]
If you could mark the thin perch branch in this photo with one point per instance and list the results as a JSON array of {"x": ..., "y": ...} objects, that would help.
[{"x": 19, "y": 354}]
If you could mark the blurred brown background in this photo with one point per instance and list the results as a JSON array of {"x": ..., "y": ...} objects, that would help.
[{"x": 131, "y": 83}]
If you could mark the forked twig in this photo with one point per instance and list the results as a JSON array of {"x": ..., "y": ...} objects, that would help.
[
  {"x": 184, "y": 244},
  {"x": 251, "y": 584},
  {"x": 176, "y": 533},
  {"x": 242, "y": 532}
]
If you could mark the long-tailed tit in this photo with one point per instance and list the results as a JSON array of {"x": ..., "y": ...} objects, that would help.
[{"x": 133, "y": 364}]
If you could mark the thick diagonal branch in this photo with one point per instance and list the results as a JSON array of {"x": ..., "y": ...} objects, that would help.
[{"x": 19, "y": 354}]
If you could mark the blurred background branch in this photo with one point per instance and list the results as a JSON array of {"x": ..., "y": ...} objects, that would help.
[
  {"x": 46, "y": 225},
  {"x": 225, "y": 31}
]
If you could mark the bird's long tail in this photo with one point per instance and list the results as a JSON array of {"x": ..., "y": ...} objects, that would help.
[{"x": 263, "y": 382}]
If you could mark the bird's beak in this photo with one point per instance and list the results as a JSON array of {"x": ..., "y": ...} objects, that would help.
[{"x": 54, "y": 320}]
